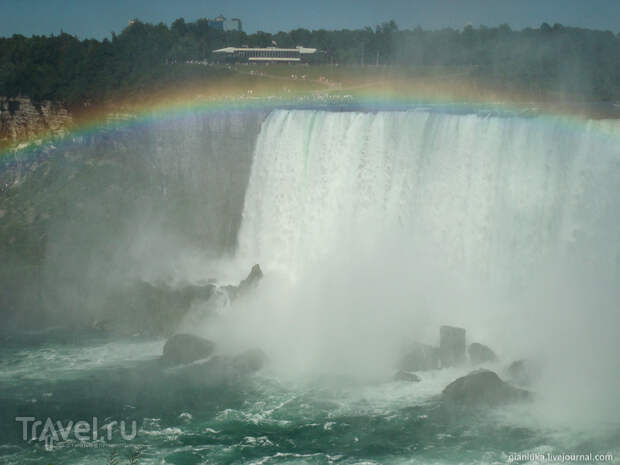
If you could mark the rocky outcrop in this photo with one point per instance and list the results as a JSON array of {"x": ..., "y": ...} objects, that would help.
[
  {"x": 482, "y": 387},
  {"x": 249, "y": 283},
  {"x": 419, "y": 357},
  {"x": 158, "y": 308},
  {"x": 479, "y": 353},
  {"x": 252, "y": 280},
  {"x": 424, "y": 357},
  {"x": 451, "y": 346},
  {"x": 249, "y": 361},
  {"x": 186, "y": 348},
  {"x": 21, "y": 119},
  {"x": 523, "y": 372},
  {"x": 219, "y": 370}
]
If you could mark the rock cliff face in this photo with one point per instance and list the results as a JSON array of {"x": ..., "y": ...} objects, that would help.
[
  {"x": 75, "y": 204},
  {"x": 21, "y": 119}
]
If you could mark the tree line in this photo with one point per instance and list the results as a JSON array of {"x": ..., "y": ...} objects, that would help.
[{"x": 575, "y": 62}]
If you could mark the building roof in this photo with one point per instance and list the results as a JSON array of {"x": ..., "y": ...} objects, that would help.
[{"x": 301, "y": 50}]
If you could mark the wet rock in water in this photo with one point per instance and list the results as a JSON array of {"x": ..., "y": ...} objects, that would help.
[
  {"x": 523, "y": 372},
  {"x": 247, "y": 284},
  {"x": 186, "y": 348},
  {"x": 451, "y": 346},
  {"x": 479, "y": 353},
  {"x": 157, "y": 308},
  {"x": 482, "y": 387},
  {"x": 419, "y": 357},
  {"x": 249, "y": 361},
  {"x": 253, "y": 278},
  {"x": 402, "y": 375},
  {"x": 220, "y": 370},
  {"x": 216, "y": 371}
]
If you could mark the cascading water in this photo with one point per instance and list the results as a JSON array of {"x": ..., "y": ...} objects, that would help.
[
  {"x": 388, "y": 224},
  {"x": 493, "y": 194}
]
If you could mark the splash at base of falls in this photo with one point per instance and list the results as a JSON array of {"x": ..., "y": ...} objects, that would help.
[{"x": 378, "y": 227}]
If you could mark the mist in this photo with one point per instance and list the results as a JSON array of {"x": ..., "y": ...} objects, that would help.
[
  {"x": 373, "y": 240},
  {"x": 97, "y": 214}
]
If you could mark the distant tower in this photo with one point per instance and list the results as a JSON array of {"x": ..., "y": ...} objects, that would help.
[
  {"x": 217, "y": 23},
  {"x": 236, "y": 25},
  {"x": 222, "y": 24}
]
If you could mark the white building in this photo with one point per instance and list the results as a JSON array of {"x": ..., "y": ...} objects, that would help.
[{"x": 267, "y": 54}]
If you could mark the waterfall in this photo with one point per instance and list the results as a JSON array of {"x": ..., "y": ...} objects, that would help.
[
  {"x": 492, "y": 194},
  {"x": 388, "y": 224}
]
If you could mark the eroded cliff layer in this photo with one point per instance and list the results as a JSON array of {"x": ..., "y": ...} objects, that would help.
[{"x": 22, "y": 119}]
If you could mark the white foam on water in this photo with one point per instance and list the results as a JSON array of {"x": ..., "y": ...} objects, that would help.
[{"x": 62, "y": 361}]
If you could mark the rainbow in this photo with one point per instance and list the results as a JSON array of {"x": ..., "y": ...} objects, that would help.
[{"x": 384, "y": 95}]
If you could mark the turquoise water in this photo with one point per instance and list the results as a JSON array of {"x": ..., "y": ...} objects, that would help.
[{"x": 187, "y": 418}]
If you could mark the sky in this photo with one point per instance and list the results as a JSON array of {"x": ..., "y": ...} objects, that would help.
[{"x": 98, "y": 18}]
